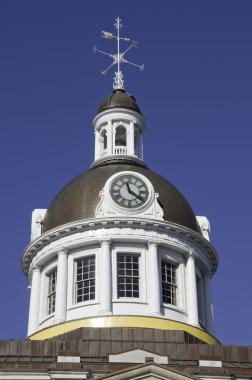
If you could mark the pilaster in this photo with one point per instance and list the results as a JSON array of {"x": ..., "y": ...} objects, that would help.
[
  {"x": 33, "y": 323},
  {"x": 154, "y": 287},
  {"x": 97, "y": 144},
  {"x": 110, "y": 137},
  {"x": 105, "y": 278},
  {"x": 191, "y": 291},
  {"x": 61, "y": 288},
  {"x": 130, "y": 139}
]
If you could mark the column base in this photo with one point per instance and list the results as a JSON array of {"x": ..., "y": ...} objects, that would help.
[
  {"x": 104, "y": 312},
  {"x": 57, "y": 321}
]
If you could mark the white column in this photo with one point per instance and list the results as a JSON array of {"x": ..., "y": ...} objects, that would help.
[
  {"x": 33, "y": 324},
  {"x": 105, "y": 279},
  {"x": 191, "y": 292},
  {"x": 61, "y": 288},
  {"x": 97, "y": 144},
  {"x": 110, "y": 137},
  {"x": 141, "y": 145},
  {"x": 208, "y": 304},
  {"x": 130, "y": 139},
  {"x": 113, "y": 140},
  {"x": 153, "y": 275}
]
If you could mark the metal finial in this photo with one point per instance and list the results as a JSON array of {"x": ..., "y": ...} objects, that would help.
[{"x": 118, "y": 58}]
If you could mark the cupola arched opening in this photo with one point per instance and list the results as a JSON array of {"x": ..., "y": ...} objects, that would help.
[
  {"x": 120, "y": 140},
  {"x": 120, "y": 136},
  {"x": 104, "y": 141}
]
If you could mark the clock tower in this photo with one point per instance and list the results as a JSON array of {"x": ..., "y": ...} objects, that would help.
[{"x": 119, "y": 246}]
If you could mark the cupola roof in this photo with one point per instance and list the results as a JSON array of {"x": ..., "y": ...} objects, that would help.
[{"x": 119, "y": 99}]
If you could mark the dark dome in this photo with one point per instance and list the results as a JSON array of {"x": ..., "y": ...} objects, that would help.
[
  {"x": 78, "y": 199},
  {"x": 119, "y": 98}
]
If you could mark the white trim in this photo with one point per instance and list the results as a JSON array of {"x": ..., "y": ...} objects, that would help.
[
  {"x": 108, "y": 207},
  {"x": 71, "y": 289},
  {"x": 43, "y": 316},
  {"x": 90, "y": 231},
  {"x": 176, "y": 259},
  {"x": 136, "y": 250}
]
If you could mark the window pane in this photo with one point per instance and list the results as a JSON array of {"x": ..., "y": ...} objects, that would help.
[
  {"x": 128, "y": 276},
  {"x": 169, "y": 284},
  {"x": 85, "y": 279},
  {"x": 51, "y": 294}
]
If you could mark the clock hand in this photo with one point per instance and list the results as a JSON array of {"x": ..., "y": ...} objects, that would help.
[
  {"x": 141, "y": 198},
  {"x": 128, "y": 187},
  {"x": 136, "y": 195},
  {"x": 133, "y": 193}
]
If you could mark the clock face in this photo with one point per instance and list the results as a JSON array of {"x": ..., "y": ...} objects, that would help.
[{"x": 129, "y": 191}]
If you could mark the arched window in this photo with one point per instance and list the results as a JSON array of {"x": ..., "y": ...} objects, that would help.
[
  {"x": 104, "y": 141},
  {"x": 120, "y": 137}
]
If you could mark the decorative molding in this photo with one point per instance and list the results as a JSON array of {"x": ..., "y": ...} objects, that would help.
[
  {"x": 123, "y": 321},
  {"x": 63, "y": 251},
  {"x": 91, "y": 231},
  {"x": 108, "y": 208},
  {"x": 105, "y": 241},
  {"x": 152, "y": 243},
  {"x": 204, "y": 226}
]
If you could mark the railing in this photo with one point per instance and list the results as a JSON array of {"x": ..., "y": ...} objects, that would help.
[{"x": 120, "y": 150}]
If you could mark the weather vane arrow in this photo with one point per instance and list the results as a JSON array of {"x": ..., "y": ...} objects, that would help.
[{"x": 118, "y": 58}]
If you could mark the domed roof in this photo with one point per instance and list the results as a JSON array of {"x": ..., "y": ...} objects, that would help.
[
  {"x": 119, "y": 98},
  {"x": 79, "y": 199}
]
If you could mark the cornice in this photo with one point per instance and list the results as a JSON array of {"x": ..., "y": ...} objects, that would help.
[{"x": 77, "y": 227}]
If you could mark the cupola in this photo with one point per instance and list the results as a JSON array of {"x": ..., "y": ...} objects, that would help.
[{"x": 118, "y": 127}]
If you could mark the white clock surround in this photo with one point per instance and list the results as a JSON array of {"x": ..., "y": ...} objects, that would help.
[{"x": 107, "y": 207}]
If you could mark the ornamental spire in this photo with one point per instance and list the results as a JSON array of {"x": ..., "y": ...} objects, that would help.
[{"x": 118, "y": 58}]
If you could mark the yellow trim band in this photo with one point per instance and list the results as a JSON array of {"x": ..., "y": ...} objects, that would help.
[{"x": 123, "y": 321}]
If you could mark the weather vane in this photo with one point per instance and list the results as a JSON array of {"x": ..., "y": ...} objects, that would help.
[{"x": 118, "y": 58}]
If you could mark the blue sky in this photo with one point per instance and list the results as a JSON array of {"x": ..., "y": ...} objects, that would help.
[{"x": 195, "y": 94}]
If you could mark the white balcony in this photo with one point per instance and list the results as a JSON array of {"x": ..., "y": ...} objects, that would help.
[{"x": 120, "y": 150}]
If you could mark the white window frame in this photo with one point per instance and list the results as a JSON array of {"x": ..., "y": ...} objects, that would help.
[
  {"x": 134, "y": 259},
  {"x": 72, "y": 275},
  {"x": 176, "y": 259},
  {"x": 43, "y": 315},
  {"x": 88, "y": 280},
  {"x": 52, "y": 295},
  {"x": 173, "y": 291},
  {"x": 140, "y": 252}
]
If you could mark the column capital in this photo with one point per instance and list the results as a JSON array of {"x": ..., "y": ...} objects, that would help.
[
  {"x": 63, "y": 251},
  {"x": 35, "y": 269},
  {"x": 153, "y": 243},
  {"x": 191, "y": 255},
  {"x": 105, "y": 241}
]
